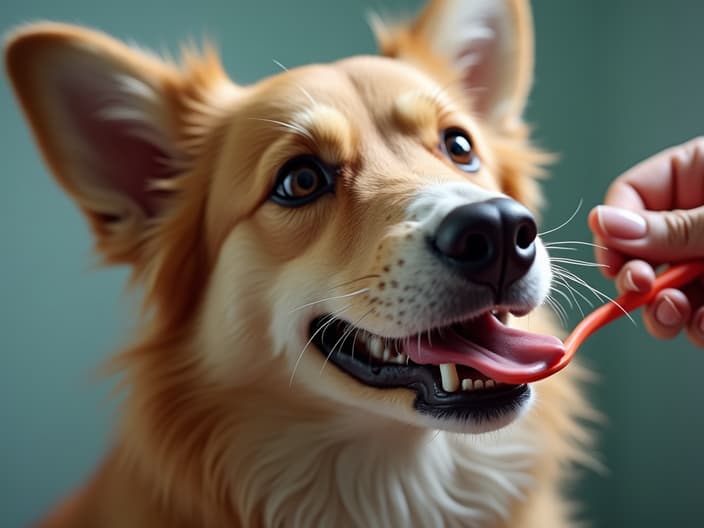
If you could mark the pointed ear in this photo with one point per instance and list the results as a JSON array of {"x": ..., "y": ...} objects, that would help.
[
  {"x": 107, "y": 119},
  {"x": 487, "y": 43}
]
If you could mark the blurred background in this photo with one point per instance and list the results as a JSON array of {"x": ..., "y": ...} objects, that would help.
[{"x": 616, "y": 80}]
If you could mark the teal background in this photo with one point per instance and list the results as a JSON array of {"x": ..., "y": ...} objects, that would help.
[{"x": 616, "y": 81}]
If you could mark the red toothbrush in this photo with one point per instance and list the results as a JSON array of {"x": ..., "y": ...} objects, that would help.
[{"x": 674, "y": 277}]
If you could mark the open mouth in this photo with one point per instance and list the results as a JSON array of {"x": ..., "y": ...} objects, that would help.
[{"x": 458, "y": 371}]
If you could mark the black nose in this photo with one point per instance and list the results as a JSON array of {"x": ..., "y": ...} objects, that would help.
[{"x": 490, "y": 242}]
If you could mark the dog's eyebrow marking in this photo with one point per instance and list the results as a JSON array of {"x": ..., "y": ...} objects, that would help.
[
  {"x": 419, "y": 112},
  {"x": 415, "y": 111},
  {"x": 331, "y": 131}
]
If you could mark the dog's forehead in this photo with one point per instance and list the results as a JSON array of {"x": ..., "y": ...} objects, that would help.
[
  {"x": 380, "y": 79},
  {"x": 370, "y": 84}
]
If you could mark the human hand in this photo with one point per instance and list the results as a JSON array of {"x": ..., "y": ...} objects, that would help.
[{"x": 654, "y": 214}]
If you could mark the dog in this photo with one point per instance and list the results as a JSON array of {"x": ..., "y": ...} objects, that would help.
[{"x": 339, "y": 263}]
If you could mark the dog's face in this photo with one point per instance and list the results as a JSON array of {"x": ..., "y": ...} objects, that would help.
[{"x": 345, "y": 236}]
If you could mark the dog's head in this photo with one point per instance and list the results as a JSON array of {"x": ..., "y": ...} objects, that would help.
[{"x": 346, "y": 236}]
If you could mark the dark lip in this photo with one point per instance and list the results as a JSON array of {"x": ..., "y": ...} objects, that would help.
[{"x": 424, "y": 380}]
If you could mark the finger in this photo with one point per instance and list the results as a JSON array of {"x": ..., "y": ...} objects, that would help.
[
  {"x": 695, "y": 329},
  {"x": 635, "y": 276},
  {"x": 672, "y": 179},
  {"x": 610, "y": 259},
  {"x": 665, "y": 236},
  {"x": 668, "y": 314}
]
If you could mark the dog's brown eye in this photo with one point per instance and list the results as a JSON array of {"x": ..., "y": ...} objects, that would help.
[
  {"x": 457, "y": 146},
  {"x": 302, "y": 180}
]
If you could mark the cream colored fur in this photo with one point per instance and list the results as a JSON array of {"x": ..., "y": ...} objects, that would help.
[{"x": 231, "y": 418}]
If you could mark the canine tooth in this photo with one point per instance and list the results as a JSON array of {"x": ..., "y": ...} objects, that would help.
[
  {"x": 450, "y": 381},
  {"x": 375, "y": 346},
  {"x": 489, "y": 384},
  {"x": 387, "y": 355},
  {"x": 478, "y": 384},
  {"x": 467, "y": 385}
]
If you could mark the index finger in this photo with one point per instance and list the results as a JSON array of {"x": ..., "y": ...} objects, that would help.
[{"x": 672, "y": 179}]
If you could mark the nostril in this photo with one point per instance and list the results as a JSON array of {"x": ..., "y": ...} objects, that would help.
[{"x": 525, "y": 236}]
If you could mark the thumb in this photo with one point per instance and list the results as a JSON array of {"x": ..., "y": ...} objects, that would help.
[{"x": 656, "y": 236}]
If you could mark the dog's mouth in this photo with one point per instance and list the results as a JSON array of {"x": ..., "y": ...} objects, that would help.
[{"x": 456, "y": 371}]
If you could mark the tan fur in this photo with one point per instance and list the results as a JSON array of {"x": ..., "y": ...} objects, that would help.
[{"x": 217, "y": 428}]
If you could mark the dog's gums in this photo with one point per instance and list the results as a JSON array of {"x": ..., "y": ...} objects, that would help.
[
  {"x": 456, "y": 371},
  {"x": 445, "y": 391}
]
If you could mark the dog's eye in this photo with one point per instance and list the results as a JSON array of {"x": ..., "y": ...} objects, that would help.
[
  {"x": 457, "y": 146},
  {"x": 302, "y": 180}
]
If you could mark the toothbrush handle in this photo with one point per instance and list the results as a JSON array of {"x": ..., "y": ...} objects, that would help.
[{"x": 674, "y": 277}]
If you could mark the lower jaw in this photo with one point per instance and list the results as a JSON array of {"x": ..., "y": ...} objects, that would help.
[{"x": 484, "y": 409}]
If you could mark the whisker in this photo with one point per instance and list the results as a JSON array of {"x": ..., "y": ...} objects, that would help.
[
  {"x": 577, "y": 262},
  {"x": 330, "y": 318},
  {"x": 305, "y": 92},
  {"x": 358, "y": 292},
  {"x": 557, "y": 309},
  {"x": 570, "y": 292},
  {"x": 550, "y": 248},
  {"x": 347, "y": 283},
  {"x": 289, "y": 126},
  {"x": 598, "y": 294},
  {"x": 563, "y": 224},
  {"x": 284, "y": 68},
  {"x": 579, "y": 293},
  {"x": 561, "y": 280},
  {"x": 345, "y": 334},
  {"x": 575, "y": 242},
  {"x": 354, "y": 340},
  {"x": 563, "y": 295}
]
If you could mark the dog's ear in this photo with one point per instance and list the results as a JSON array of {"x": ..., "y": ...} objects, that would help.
[
  {"x": 108, "y": 119},
  {"x": 487, "y": 43}
]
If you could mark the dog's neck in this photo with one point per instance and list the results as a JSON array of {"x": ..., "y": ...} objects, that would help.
[
  {"x": 262, "y": 458},
  {"x": 340, "y": 472}
]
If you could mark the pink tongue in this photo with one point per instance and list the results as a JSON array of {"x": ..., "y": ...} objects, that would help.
[{"x": 505, "y": 354}]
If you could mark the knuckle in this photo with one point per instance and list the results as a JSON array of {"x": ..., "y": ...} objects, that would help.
[
  {"x": 691, "y": 150},
  {"x": 681, "y": 228},
  {"x": 696, "y": 144}
]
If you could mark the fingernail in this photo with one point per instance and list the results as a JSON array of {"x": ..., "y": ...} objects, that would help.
[
  {"x": 621, "y": 223},
  {"x": 667, "y": 313},
  {"x": 629, "y": 283}
]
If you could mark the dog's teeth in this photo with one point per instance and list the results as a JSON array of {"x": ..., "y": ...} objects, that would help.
[
  {"x": 450, "y": 381},
  {"x": 401, "y": 359},
  {"x": 489, "y": 384},
  {"x": 467, "y": 385},
  {"x": 387, "y": 355},
  {"x": 478, "y": 384},
  {"x": 376, "y": 348}
]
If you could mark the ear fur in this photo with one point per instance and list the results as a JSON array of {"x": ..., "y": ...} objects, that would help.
[
  {"x": 485, "y": 47},
  {"x": 112, "y": 123},
  {"x": 487, "y": 44}
]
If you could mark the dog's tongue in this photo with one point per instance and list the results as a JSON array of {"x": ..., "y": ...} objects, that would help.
[{"x": 504, "y": 354}]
